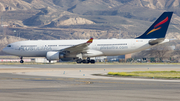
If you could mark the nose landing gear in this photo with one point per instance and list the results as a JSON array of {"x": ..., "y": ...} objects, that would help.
[{"x": 21, "y": 61}]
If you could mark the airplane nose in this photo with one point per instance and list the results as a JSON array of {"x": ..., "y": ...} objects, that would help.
[
  {"x": 8, "y": 50},
  {"x": 5, "y": 50}
]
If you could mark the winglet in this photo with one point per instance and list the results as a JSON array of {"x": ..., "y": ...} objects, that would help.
[{"x": 90, "y": 40}]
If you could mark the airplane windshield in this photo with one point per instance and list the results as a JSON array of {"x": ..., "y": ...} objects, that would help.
[{"x": 8, "y": 45}]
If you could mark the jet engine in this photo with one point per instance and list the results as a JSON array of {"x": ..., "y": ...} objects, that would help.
[{"x": 54, "y": 55}]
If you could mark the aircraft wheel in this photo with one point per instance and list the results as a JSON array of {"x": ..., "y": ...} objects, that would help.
[
  {"x": 84, "y": 61},
  {"x": 21, "y": 61},
  {"x": 88, "y": 61},
  {"x": 79, "y": 61},
  {"x": 92, "y": 61}
]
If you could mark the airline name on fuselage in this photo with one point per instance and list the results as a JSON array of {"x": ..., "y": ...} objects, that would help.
[
  {"x": 50, "y": 48},
  {"x": 113, "y": 47},
  {"x": 35, "y": 48}
]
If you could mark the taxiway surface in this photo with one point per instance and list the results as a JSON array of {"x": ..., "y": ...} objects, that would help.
[
  {"x": 89, "y": 66},
  {"x": 50, "y": 82}
]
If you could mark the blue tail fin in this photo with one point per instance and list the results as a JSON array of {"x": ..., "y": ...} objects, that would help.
[{"x": 159, "y": 28}]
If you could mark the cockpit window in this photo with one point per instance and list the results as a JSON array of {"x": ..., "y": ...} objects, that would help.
[{"x": 8, "y": 45}]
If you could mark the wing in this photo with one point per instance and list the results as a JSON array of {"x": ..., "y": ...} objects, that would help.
[{"x": 78, "y": 48}]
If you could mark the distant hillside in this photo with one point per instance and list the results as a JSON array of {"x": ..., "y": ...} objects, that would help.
[{"x": 82, "y": 19}]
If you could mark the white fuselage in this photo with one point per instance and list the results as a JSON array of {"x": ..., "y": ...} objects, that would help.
[{"x": 99, "y": 47}]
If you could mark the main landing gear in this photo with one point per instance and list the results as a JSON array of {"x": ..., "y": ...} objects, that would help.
[
  {"x": 21, "y": 61},
  {"x": 88, "y": 60}
]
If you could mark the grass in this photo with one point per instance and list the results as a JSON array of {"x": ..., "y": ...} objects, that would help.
[{"x": 149, "y": 74}]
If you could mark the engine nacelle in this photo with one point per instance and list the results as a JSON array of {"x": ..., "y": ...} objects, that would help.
[{"x": 54, "y": 55}]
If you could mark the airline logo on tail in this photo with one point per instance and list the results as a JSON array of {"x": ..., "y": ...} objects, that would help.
[{"x": 160, "y": 23}]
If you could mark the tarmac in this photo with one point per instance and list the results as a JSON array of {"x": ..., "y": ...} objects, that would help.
[{"x": 76, "y": 83}]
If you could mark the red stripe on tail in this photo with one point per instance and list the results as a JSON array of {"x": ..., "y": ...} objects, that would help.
[{"x": 162, "y": 22}]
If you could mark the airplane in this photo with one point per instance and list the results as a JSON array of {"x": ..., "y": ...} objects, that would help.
[{"x": 82, "y": 50}]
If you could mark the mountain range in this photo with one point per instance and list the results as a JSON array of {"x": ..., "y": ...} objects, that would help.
[{"x": 82, "y": 19}]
